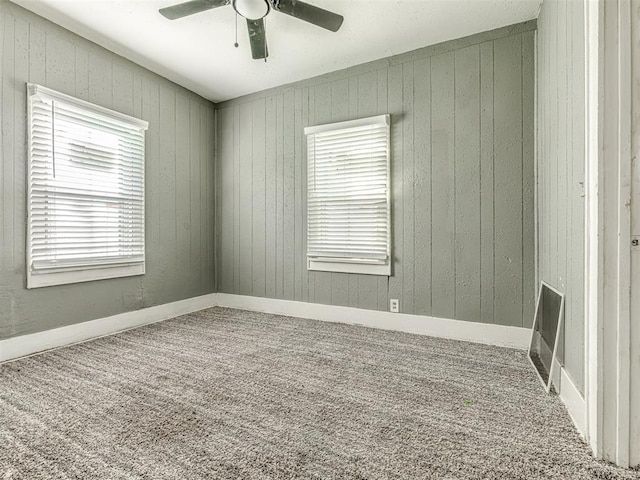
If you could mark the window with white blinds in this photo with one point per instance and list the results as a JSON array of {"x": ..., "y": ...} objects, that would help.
[
  {"x": 348, "y": 200},
  {"x": 85, "y": 191}
]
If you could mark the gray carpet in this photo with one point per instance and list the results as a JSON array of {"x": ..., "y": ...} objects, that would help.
[{"x": 226, "y": 394}]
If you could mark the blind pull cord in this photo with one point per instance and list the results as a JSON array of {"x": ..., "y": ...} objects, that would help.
[{"x": 53, "y": 136}]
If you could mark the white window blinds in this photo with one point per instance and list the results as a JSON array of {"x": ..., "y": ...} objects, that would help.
[
  {"x": 348, "y": 222},
  {"x": 86, "y": 191}
]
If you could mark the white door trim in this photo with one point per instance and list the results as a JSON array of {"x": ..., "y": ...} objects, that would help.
[
  {"x": 593, "y": 222},
  {"x": 608, "y": 229}
]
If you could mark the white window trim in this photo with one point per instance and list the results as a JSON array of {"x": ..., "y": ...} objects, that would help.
[
  {"x": 348, "y": 265},
  {"x": 97, "y": 272},
  {"x": 34, "y": 89},
  {"x": 77, "y": 276}
]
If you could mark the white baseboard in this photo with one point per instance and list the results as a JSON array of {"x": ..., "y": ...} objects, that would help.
[
  {"x": 514, "y": 337},
  {"x": 571, "y": 397},
  {"x": 24, "y": 345},
  {"x": 567, "y": 391}
]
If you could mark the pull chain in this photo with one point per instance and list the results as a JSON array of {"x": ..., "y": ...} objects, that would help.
[
  {"x": 236, "y": 44},
  {"x": 264, "y": 23}
]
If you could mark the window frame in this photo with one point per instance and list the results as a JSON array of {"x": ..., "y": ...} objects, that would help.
[
  {"x": 69, "y": 274},
  {"x": 351, "y": 265}
]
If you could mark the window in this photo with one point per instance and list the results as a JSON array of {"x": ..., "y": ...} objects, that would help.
[
  {"x": 86, "y": 191},
  {"x": 348, "y": 204}
]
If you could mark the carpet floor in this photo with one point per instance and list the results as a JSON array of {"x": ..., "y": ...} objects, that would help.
[{"x": 229, "y": 394}]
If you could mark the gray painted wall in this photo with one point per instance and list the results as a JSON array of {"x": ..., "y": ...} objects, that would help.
[
  {"x": 561, "y": 159},
  {"x": 179, "y": 175},
  {"x": 462, "y": 181}
]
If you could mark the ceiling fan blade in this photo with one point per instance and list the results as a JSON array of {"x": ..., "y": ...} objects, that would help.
[
  {"x": 310, "y": 13},
  {"x": 257, "y": 39},
  {"x": 189, "y": 8}
]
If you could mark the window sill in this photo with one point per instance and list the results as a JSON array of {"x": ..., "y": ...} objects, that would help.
[
  {"x": 38, "y": 280},
  {"x": 344, "y": 267}
]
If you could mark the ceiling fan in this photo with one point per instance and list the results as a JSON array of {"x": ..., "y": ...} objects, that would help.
[{"x": 254, "y": 12}]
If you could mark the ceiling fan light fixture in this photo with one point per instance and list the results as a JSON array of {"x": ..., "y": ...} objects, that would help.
[{"x": 251, "y": 9}]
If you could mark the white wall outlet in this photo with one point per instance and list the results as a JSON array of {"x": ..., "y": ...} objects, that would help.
[{"x": 394, "y": 305}]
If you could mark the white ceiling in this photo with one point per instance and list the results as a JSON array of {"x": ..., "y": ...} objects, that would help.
[{"x": 198, "y": 53}]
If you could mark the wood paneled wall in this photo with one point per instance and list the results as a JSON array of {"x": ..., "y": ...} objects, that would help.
[
  {"x": 561, "y": 160},
  {"x": 462, "y": 181},
  {"x": 179, "y": 175}
]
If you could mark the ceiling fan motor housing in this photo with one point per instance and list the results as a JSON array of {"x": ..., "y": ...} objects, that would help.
[{"x": 252, "y": 9}]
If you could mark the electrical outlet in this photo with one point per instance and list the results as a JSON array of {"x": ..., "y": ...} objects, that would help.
[{"x": 394, "y": 305}]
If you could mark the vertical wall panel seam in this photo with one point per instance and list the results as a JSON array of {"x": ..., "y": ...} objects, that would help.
[
  {"x": 26, "y": 176},
  {"x": 556, "y": 162},
  {"x": 429, "y": 62},
  {"x": 569, "y": 247},
  {"x": 298, "y": 188},
  {"x": 15, "y": 146},
  {"x": 393, "y": 245},
  {"x": 12, "y": 158},
  {"x": 284, "y": 196},
  {"x": 493, "y": 168},
  {"x": 295, "y": 187},
  {"x": 357, "y": 114},
  {"x": 431, "y": 180},
  {"x": 46, "y": 80},
  {"x": 218, "y": 215},
  {"x": 265, "y": 198},
  {"x": 377, "y": 113},
  {"x": 455, "y": 170},
  {"x": 189, "y": 193},
  {"x": 305, "y": 199},
  {"x": 19, "y": 142},
  {"x": 300, "y": 255},
  {"x": 570, "y": 172},
  {"x": 236, "y": 199},
  {"x": 283, "y": 203},
  {"x": 549, "y": 164},
  {"x": 251, "y": 189},
  {"x": 306, "y": 193},
  {"x": 233, "y": 200},
  {"x": 522, "y": 161},
  {"x": 413, "y": 142},
  {"x": 403, "y": 261},
  {"x": 175, "y": 175},
  {"x": 480, "y": 172}
]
